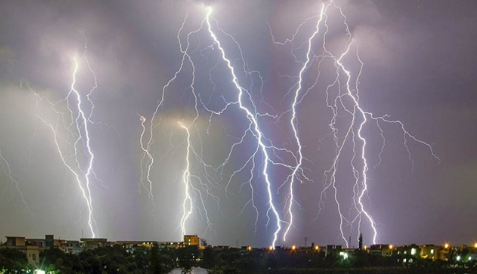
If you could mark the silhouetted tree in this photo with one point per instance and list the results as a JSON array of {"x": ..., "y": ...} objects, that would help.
[
  {"x": 208, "y": 258},
  {"x": 155, "y": 262}
]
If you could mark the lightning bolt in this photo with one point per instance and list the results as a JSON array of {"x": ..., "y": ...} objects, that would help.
[
  {"x": 346, "y": 100},
  {"x": 79, "y": 128},
  {"x": 188, "y": 179},
  {"x": 294, "y": 122},
  {"x": 253, "y": 122},
  {"x": 194, "y": 184},
  {"x": 12, "y": 178},
  {"x": 187, "y": 204}
]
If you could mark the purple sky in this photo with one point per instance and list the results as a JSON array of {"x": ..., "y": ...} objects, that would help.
[{"x": 419, "y": 67}]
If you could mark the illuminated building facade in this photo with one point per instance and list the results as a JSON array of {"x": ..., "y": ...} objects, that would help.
[{"x": 191, "y": 240}]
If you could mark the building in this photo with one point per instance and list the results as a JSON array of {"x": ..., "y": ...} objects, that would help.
[
  {"x": 385, "y": 250},
  {"x": 333, "y": 250},
  {"x": 72, "y": 247},
  {"x": 38, "y": 242},
  {"x": 173, "y": 245},
  {"x": 429, "y": 252},
  {"x": 191, "y": 240},
  {"x": 31, "y": 251},
  {"x": 93, "y": 243}
]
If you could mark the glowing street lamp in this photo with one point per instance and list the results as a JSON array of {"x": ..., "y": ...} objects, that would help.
[
  {"x": 344, "y": 255},
  {"x": 446, "y": 246},
  {"x": 39, "y": 271},
  {"x": 293, "y": 247}
]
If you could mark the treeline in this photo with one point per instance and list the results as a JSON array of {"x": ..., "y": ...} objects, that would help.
[
  {"x": 228, "y": 261},
  {"x": 98, "y": 261}
]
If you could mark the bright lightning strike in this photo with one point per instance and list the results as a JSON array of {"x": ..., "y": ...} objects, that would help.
[
  {"x": 347, "y": 100},
  {"x": 81, "y": 135},
  {"x": 197, "y": 189},
  {"x": 187, "y": 204},
  {"x": 294, "y": 123},
  {"x": 82, "y": 124},
  {"x": 253, "y": 121}
]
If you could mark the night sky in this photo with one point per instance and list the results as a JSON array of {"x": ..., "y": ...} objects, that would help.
[{"x": 420, "y": 61}]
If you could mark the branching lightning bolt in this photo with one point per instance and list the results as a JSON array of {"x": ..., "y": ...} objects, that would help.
[
  {"x": 359, "y": 117},
  {"x": 294, "y": 123},
  {"x": 187, "y": 204},
  {"x": 189, "y": 179},
  {"x": 12, "y": 178},
  {"x": 253, "y": 121},
  {"x": 81, "y": 135}
]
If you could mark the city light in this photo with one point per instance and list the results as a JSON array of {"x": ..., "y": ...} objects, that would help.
[
  {"x": 294, "y": 247},
  {"x": 391, "y": 246},
  {"x": 446, "y": 245},
  {"x": 270, "y": 248},
  {"x": 38, "y": 271},
  {"x": 344, "y": 255},
  {"x": 317, "y": 247},
  {"x": 249, "y": 248},
  {"x": 413, "y": 251},
  {"x": 475, "y": 245},
  {"x": 458, "y": 258}
]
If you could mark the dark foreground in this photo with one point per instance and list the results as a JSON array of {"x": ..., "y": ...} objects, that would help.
[
  {"x": 117, "y": 259},
  {"x": 374, "y": 270}
]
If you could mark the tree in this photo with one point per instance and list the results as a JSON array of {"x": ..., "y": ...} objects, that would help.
[
  {"x": 208, "y": 257},
  {"x": 155, "y": 262},
  {"x": 12, "y": 261}
]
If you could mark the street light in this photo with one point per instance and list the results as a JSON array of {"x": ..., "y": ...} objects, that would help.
[{"x": 39, "y": 271}]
